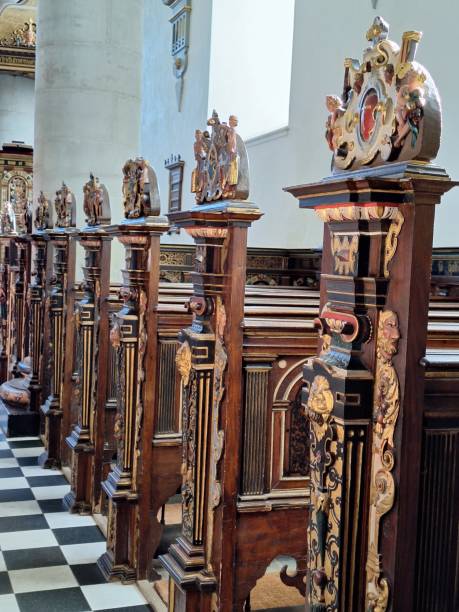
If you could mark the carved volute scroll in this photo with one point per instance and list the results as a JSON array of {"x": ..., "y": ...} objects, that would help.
[
  {"x": 140, "y": 189},
  {"x": 64, "y": 204},
  {"x": 389, "y": 109},
  {"x": 221, "y": 162},
  {"x": 96, "y": 203}
]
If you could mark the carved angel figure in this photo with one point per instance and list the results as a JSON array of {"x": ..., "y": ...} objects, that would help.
[
  {"x": 93, "y": 197},
  {"x": 333, "y": 132},
  {"x": 409, "y": 111}
]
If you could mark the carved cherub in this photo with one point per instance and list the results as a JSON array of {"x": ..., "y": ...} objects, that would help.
[
  {"x": 409, "y": 111},
  {"x": 334, "y": 132}
]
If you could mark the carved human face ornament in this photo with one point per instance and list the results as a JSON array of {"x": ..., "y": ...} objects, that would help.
[{"x": 389, "y": 335}]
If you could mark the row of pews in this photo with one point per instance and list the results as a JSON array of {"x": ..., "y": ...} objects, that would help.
[
  {"x": 68, "y": 368},
  {"x": 311, "y": 428}
]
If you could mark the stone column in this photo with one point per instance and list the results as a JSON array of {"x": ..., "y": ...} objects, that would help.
[{"x": 87, "y": 95}]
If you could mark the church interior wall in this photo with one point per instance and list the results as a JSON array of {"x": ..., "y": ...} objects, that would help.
[
  {"x": 286, "y": 157},
  {"x": 16, "y": 108}
]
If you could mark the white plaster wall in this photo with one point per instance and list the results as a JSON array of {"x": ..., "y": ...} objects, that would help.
[
  {"x": 87, "y": 99},
  {"x": 325, "y": 33},
  {"x": 164, "y": 129},
  {"x": 16, "y": 108}
]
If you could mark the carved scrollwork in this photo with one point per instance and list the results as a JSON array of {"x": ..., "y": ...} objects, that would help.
[
  {"x": 391, "y": 243},
  {"x": 382, "y": 485}
]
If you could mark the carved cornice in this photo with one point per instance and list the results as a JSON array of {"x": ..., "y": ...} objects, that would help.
[{"x": 18, "y": 38}]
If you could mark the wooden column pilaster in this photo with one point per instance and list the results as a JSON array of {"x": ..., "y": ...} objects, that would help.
[
  {"x": 92, "y": 335},
  {"x": 201, "y": 561},
  {"x": 364, "y": 389},
  {"x": 134, "y": 334},
  {"x": 56, "y": 409}
]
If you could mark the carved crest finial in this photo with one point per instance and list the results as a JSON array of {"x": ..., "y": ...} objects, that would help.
[
  {"x": 140, "y": 189},
  {"x": 42, "y": 220},
  {"x": 96, "y": 203},
  {"x": 390, "y": 107},
  {"x": 64, "y": 204},
  {"x": 221, "y": 162}
]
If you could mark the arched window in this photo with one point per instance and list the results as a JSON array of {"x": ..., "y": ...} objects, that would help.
[{"x": 250, "y": 63}]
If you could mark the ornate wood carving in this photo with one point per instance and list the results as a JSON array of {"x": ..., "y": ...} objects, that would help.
[
  {"x": 389, "y": 109},
  {"x": 382, "y": 485},
  {"x": 362, "y": 383},
  {"x": 55, "y": 408},
  {"x": 221, "y": 162},
  {"x": 134, "y": 338},
  {"x": 210, "y": 356},
  {"x": 96, "y": 204},
  {"x": 140, "y": 189}
]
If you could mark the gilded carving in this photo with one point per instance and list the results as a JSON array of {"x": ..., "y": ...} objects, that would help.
[
  {"x": 320, "y": 405},
  {"x": 183, "y": 361},
  {"x": 41, "y": 220},
  {"x": 344, "y": 250},
  {"x": 140, "y": 189},
  {"x": 391, "y": 243},
  {"x": 169, "y": 258},
  {"x": 221, "y": 162},
  {"x": 386, "y": 408},
  {"x": 23, "y": 36},
  {"x": 380, "y": 115}
]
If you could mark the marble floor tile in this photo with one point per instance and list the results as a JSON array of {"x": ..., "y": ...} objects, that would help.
[
  {"x": 60, "y": 600},
  {"x": 19, "y": 508},
  {"x": 18, "y": 540},
  {"x": 58, "y": 520},
  {"x": 13, "y": 483},
  {"x": 26, "y": 452},
  {"x": 118, "y": 596},
  {"x": 83, "y": 553},
  {"x": 29, "y": 558},
  {"x": 78, "y": 535},
  {"x": 40, "y": 579},
  {"x": 51, "y": 505},
  {"x": 8, "y": 462},
  {"x": 51, "y": 492},
  {"x": 47, "y": 480},
  {"x": 8, "y": 604},
  {"x": 10, "y": 472},
  {"x": 10, "y": 495}
]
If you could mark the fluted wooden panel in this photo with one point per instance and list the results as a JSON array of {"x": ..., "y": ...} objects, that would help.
[
  {"x": 255, "y": 429},
  {"x": 167, "y": 409},
  {"x": 438, "y": 551}
]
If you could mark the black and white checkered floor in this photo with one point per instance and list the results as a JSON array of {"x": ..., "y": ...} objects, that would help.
[{"x": 48, "y": 556}]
